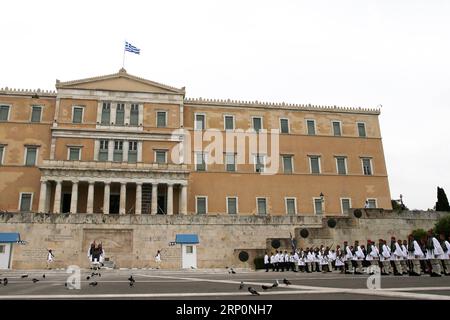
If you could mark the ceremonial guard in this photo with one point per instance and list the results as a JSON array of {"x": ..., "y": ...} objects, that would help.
[
  {"x": 385, "y": 258},
  {"x": 301, "y": 260},
  {"x": 444, "y": 257},
  {"x": 277, "y": 261},
  {"x": 281, "y": 261},
  {"x": 414, "y": 255},
  {"x": 434, "y": 252},
  {"x": 310, "y": 260},
  {"x": 266, "y": 262},
  {"x": 404, "y": 262},
  {"x": 373, "y": 254},
  {"x": 359, "y": 258},
  {"x": 287, "y": 260},
  {"x": 272, "y": 261},
  {"x": 340, "y": 259},
  {"x": 348, "y": 258}
]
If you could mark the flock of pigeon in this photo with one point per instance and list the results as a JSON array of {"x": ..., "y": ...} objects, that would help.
[
  {"x": 264, "y": 287},
  {"x": 132, "y": 281}
]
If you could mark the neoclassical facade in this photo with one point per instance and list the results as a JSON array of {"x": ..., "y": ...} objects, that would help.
[{"x": 120, "y": 144}]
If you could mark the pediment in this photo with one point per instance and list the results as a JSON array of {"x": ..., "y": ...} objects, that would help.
[{"x": 121, "y": 81}]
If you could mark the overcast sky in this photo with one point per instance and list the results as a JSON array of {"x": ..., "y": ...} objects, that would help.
[{"x": 347, "y": 53}]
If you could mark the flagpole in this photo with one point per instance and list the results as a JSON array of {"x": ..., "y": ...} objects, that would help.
[{"x": 123, "y": 61}]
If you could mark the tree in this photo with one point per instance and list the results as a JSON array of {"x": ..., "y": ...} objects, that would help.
[
  {"x": 443, "y": 226},
  {"x": 419, "y": 234},
  {"x": 442, "y": 203}
]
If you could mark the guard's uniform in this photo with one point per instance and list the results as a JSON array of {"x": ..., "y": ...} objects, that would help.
[
  {"x": 272, "y": 262},
  {"x": 398, "y": 257},
  {"x": 445, "y": 245},
  {"x": 359, "y": 255},
  {"x": 348, "y": 259},
  {"x": 386, "y": 259},
  {"x": 404, "y": 261},
  {"x": 434, "y": 252},
  {"x": 414, "y": 255},
  {"x": 340, "y": 259},
  {"x": 266, "y": 262}
]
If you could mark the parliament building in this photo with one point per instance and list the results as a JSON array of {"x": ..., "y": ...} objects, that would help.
[{"x": 120, "y": 144}]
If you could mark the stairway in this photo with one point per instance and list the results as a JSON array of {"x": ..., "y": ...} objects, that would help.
[{"x": 146, "y": 198}]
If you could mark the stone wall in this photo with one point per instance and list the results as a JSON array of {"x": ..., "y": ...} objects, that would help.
[{"x": 131, "y": 241}]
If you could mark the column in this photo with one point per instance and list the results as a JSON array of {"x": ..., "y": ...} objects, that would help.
[
  {"x": 139, "y": 151},
  {"x": 141, "y": 115},
  {"x": 110, "y": 150},
  {"x": 99, "y": 112},
  {"x": 113, "y": 113},
  {"x": 169, "y": 199},
  {"x": 138, "y": 207},
  {"x": 43, "y": 196},
  {"x": 57, "y": 202},
  {"x": 154, "y": 198},
  {"x": 123, "y": 197},
  {"x": 125, "y": 151},
  {"x": 106, "y": 198},
  {"x": 127, "y": 113},
  {"x": 90, "y": 198},
  {"x": 96, "y": 149},
  {"x": 74, "y": 197},
  {"x": 183, "y": 202}
]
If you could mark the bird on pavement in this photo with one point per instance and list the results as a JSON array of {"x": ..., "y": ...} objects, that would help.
[
  {"x": 241, "y": 286},
  {"x": 93, "y": 283},
  {"x": 43, "y": 276},
  {"x": 5, "y": 281},
  {"x": 34, "y": 280},
  {"x": 286, "y": 282},
  {"x": 232, "y": 271},
  {"x": 24, "y": 276},
  {"x": 266, "y": 287},
  {"x": 132, "y": 281},
  {"x": 87, "y": 278},
  {"x": 253, "y": 291},
  {"x": 276, "y": 283}
]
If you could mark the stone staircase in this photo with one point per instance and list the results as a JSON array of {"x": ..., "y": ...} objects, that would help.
[{"x": 146, "y": 199}]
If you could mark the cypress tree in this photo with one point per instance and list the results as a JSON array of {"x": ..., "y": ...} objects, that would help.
[{"x": 442, "y": 203}]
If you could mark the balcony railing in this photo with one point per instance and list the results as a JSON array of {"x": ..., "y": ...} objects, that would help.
[{"x": 108, "y": 165}]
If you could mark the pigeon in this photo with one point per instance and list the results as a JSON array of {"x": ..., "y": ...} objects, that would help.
[
  {"x": 253, "y": 291},
  {"x": 87, "y": 278},
  {"x": 5, "y": 281},
  {"x": 34, "y": 280},
  {"x": 266, "y": 287},
  {"x": 232, "y": 271},
  {"x": 241, "y": 286},
  {"x": 93, "y": 283},
  {"x": 132, "y": 281},
  {"x": 275, "y": 284},
  {"x": 65, "y": 284},
  {"x": 286, "y": 282},
  {"x": 43, "y": 276},
  {"x": 24, "y": 276}
]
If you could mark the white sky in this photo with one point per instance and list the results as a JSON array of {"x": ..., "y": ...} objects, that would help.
[{"x": 347, "y": 53}]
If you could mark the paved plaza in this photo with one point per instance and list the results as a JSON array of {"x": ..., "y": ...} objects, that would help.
[{"x": 218, "y": 285}]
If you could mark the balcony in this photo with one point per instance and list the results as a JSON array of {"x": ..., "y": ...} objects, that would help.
[{"x": 112, "y": 166}]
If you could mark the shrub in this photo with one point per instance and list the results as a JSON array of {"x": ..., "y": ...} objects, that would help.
[
  {"x": 419, "y": 234},
  {"x": 443, "y": 226}
]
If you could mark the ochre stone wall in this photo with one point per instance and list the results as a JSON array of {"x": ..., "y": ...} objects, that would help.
[{"x": 131, "y": 241}]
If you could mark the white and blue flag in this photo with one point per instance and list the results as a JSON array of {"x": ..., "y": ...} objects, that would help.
[{"x": 130, "y": 48}]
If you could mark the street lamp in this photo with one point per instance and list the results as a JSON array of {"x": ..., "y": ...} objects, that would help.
[{"x": 321, "y": 196}]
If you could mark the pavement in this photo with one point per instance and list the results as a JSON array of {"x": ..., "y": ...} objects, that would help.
[{"x": 219, "y": 285}]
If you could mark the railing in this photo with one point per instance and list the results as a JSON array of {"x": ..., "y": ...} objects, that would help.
[{"x": 108, "y": 165}]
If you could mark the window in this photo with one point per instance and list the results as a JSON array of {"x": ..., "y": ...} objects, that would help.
[
  {"x": 229, "y": 122},
  {"x": 132, "y": 151},
  {"x": 189, "y": 249},
  {"x": 120, "y": 114},
  {"x": 134, "y": 115},
  {"x": 262, "y": 205},
  {"x": 2, "y": 152},
  {"x": 259, "y": 163},
  {"x": 160, "y": 156},
  {"x": 284, "y": 125},
  {"x": 103, "y": 151},
  {"x": 200, "y": 163},
  {"x": 201, "y": 205},
  {"x": 337, "y": 128},
  {"x": 25, "y": 202},
  {"x": 4, "y": 113},
  {"x": 311, "y": 127},
  {"x": 77, "y": 115},
  {"x": 257, "y": 123},
  {"x": 345, "y": 205},
  {"x": 291, "y": 206},
  {"x": 118, "y": 151},
  {"x": 74, "y": 153},
  {"x": 372, "y": 203},
  {"x": 232, "y": 203},
  {"x": 106, "y": 114},
  {"x": 341, "y": 165},
  {"x": 36, "y": 112},
  {"x": 367, "y": 166},
  {"x": 161, "y": 119},
  {"x": 30, "y": 156},
  {"x": 318, "y": 206},
  {"x": 2, "y": 248},
  {"x": 230, "y": 162},
  {"x": 362, "y": 129},
  {"x": 287, "y": 164},
  {"x": 314, "y": 162},
  {"x": 199, "y": 122}
]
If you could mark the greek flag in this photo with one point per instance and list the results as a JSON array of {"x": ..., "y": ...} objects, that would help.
[{"x": 130, "y": 48}]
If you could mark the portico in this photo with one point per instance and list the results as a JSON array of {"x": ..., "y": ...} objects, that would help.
[{"x": 143, "y": 189}]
